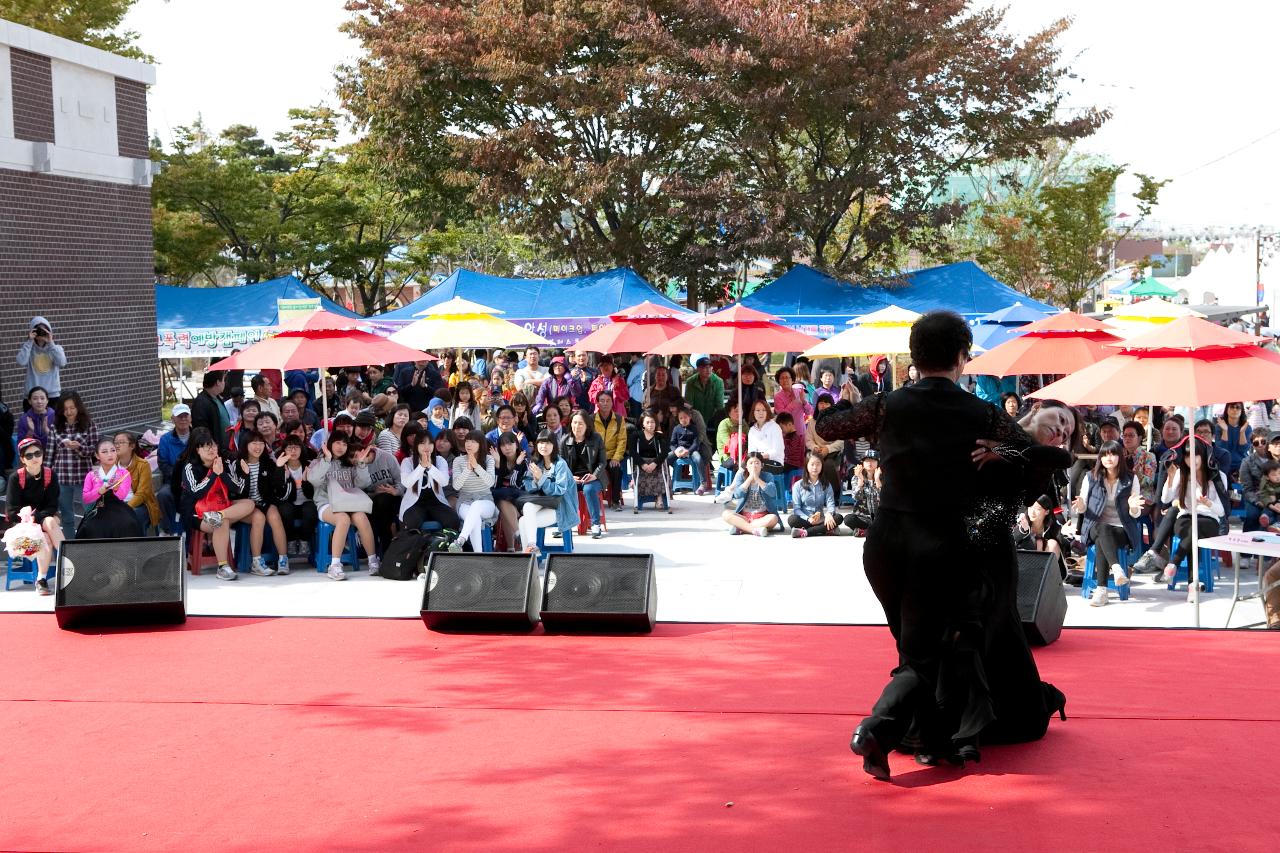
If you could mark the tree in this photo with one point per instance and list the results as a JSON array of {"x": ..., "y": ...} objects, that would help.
[{"x": 91, "y": 22}]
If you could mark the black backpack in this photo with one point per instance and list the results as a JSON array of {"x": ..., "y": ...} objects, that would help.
[{"x": 408, "y": 551}]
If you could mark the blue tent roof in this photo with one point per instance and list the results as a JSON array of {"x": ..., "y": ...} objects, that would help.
[
  {"x": 586, "y": 296},
  {"x": 804, "y": 297},
  {"x": 246, "y": 305}
]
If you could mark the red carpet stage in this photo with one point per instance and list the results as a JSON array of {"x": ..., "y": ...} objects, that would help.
[{"x": 308, "y": 734}]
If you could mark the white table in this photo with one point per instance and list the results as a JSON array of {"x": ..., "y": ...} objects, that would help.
[{"x": 1244, "y": 543}]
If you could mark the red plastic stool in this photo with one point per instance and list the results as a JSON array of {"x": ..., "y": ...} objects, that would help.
[
  {"x": 584, "y": 516},
  {"x": 196, "y": 559}
]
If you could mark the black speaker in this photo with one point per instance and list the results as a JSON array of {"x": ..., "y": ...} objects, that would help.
[
  {"x": 612, "y": 592},
  {"x": 121, "y": 582},
  {"x": 1042, "y": 599},
  {"x": 487, "y": 591}
]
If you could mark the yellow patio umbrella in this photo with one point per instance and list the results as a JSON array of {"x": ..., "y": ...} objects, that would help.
[
  {"x": 462, "y": 324},
  {"x": 1146, "y": 316},
  {"x": 887, "y": 331}
]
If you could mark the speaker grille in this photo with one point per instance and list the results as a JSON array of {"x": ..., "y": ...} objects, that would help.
[
  {"x": 608, "y": 583},
  {"x": 1031, "y": 576},
  {"x": 119, "y": 571},
  {"x": 469, "y": 583}
]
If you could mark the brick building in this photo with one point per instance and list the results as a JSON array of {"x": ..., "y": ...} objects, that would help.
[{"x": 75, "y": 220}]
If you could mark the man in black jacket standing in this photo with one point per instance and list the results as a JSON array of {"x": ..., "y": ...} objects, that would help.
[
  {"x": 208, "y": 411},
  {"x": 918, "y": 556}
]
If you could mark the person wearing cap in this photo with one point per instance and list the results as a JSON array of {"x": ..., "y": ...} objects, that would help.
[
  {"x": 344, "y": 422},
  {"x": 705, "y": 392},
  {"x": 866, "y": 494},
  {"x": 33, "y": 484},
  {"x": 42, "y": 359},
  {"x": 172, "y": 445},
  {"x": 609, "y": 379},
  {"x": 558, "y": 384}
]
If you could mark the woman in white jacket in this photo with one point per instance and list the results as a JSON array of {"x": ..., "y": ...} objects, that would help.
[
  {"x": 425, "y": 474},
  {"x": 765, "y": 436}
]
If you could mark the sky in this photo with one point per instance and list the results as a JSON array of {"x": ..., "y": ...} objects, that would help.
[{"x": 1188, "y": 89}]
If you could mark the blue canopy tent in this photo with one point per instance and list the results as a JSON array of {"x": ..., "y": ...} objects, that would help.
[
  {"x": 212, "y": 321},
  {"x": 991, "y": 330},
  {"x": 564, "y": 310},
  {"x": 816, "y": 303}
]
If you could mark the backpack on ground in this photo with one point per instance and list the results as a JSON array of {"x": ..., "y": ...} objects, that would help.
[{"x": 405, "y": 553}]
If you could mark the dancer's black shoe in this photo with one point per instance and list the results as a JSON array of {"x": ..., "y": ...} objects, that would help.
[
  {"x": 874, "y": 760},
  {"x": 966, "y": 753}
]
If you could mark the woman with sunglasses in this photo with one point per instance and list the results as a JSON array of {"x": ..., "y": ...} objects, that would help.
[{"x": 34, "y": 485}]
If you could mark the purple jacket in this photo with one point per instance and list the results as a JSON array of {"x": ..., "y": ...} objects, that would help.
[
  {"x": 29, "y": 426},
  {"x": 550, "y": 389}
]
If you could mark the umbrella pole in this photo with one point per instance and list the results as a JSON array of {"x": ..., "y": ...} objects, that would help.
[
  {"x": 324, "y": 400},
  {"x": 1194, "y": 575},
  {"x": 742, "y": 418}
]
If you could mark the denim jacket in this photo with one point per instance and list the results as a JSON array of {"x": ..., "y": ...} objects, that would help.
[
  {"x": 808, "y": 498},
  {"x": 767, "y": 491}
]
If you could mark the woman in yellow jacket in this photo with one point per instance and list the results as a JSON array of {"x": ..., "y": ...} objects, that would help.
[
  {"x": 613, "y": 429},
  {"x": 144, "y": 500}
]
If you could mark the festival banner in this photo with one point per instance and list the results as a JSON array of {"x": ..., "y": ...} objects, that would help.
[
  {"x": 291, "y": 309},
  {"x": 201, "y": 343},
  {"x": 562, "y": 331}
]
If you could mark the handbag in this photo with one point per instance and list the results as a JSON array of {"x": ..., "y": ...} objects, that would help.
[
  {"x": 537, "y": 499},
  {"x": 344, "y": 500}
]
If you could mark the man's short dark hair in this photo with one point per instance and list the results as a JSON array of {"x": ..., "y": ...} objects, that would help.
[
  {"x": 505, "y": 407},
  {"x": 462, "y": 423},
  {"x": 263, "y": 413},
  {"x": 213, "y": 377},
  {"x": 938, "y": 339},
  {"x": 1135, "y": 426},
  {"x": 784, "y": 418},
  {"x": 1204, "y": 422},
  {"x": 257, "y": 382},
  {"x": 1269, "y": 466}
]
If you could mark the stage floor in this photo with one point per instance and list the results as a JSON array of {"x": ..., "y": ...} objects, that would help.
[{"x": 376, "y": 734}]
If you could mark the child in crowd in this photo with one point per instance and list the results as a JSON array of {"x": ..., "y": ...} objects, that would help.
[
  {"x": 757, "y": 508},
  {"x": 1269, "y": 493},
  {"x": 813, "y": 510},
  {"x": 866, "y": 494},
  {"x": 792, "y": 445},
  {"x": 684, "y": 445}
]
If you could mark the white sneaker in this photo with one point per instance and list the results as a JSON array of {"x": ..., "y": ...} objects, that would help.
[
  {"x": 336, "y": 573},
  {"x": 1099, "y": 597},
  {"x": 226, "y": 573},
  {"x": 455, "y": 547},
  {"x": 282, "y": 566},
  {"x": 595, "y": 531},
  {"x": 1118, "y": 575},
  {"x": 260, "y": 568},
  {"x": 375, "y": 566}
]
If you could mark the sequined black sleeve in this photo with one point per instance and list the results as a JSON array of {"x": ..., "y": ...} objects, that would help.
[{"x": 850, "y": 422}]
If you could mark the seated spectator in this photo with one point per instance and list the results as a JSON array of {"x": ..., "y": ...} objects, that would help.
[
  {"x": 757, "y": 508},
  {"x": 461, "y": 429},
  {"x": 793, "y": 450},
  {"x": 34, "y": 485},
  {"x": 529, "y": 377},
  {"x": 207, "y": 481},
  {"x": 1221, "y": 455},
  {"x": 1180, "y": 491},
  {"x": 547, "y": 476},
  {"x": 1269, "y": 494},
  {"x": 380, "y": 407},
  {"x": 525, "y": 422},
  {"x": 1232, "y": 435},
  {"x": 661, "y": 396},
  {"x": 553, "y": 422},
  {"x": 264, "y": 394},
  {"x": 582, "y": 373},
  {"x": 765, "y": 437},
  {"x": 438, "y": 422},
  {"x": 487, "y": 406},
  {"x": 558, "y": 384},
  {"x": 648, "y": 453},
  {"x": 565, "y": 405},
  {"x": 384, "y": 487},
  {"x": 340, "y": 478},
  {"x": 265, "y": 487},
  {"x": 1038, "y": 529},
  {"x": 866, "y": 494},
  {"x": 389, "y": 438},
  {"x": 231, "y": 406},
  {"x": 37, "y": 419},
  {"x": 269, "y": 428},
  {"x": 1109, "y": 504},
  {"x": 474, "y": 475},
  {"x": 727, "y": 438},
  {"x": 143, "y": 501},
  {"x": 686, "y": 447},
  {"x": 794, "y": 401},
  {"x": 248, "y": 423},
  {"x": 506, "y": 422},
  {"x": 299, "y": 381},
  {"x": 1012, "y": 404},
  {"x": 172, "y": 445},
  {"x": 418, "y": 382},
  {"x": 1141, "y": 461},
  {"x": 826, "y": 385},
  {"x": 379, "y": 381},
  {"x": 1251, "y": 475},
  {"x": 609, "y": 380},
  {"x": 464, "y": 406},
  {"x": 583, "y": 451},
  {"x": 511, "y": 466},
  {"x": 612, "y": 429},
  {"x": 306, "y": 414},
  {"x": 813, "y": 510},
  {"x": 296, "y": 506},
  {"x": 424, "y": 474},
  {"x": 500, "y": 385}
]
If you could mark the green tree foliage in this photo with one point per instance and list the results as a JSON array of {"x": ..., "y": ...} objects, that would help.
[
  {"x": 681, "y": 136},
  {"x": 91, "y": 22}
]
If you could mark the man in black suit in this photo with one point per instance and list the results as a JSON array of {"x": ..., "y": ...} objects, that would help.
[{"x": 918, "y": 556}]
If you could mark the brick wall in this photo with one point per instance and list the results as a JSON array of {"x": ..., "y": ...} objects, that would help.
[
  {"x": 131, "y": 118},
  {"x": 79, "y": 252},
  {"x": 32, "y": 95}
]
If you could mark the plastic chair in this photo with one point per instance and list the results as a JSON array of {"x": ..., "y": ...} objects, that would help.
[
  {"x": 324, "y": 544},
  {"x": 724, "y": 479},
  {"x": 197, "y": 561},
  {"x": 243, "y": 550},
  {"x": 584, "y": 515},
  {"x": 1209, "y": 568},
  {"x": 565, "y": 546},
  {"x": 1090, "y": 582},
  {"x": 28, "y": 573},
  {"x": 691, "y": 482},
  {"x": 784, "y": 499}
]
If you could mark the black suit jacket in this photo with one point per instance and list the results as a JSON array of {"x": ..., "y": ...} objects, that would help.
[{"x": 204, "y": 413}]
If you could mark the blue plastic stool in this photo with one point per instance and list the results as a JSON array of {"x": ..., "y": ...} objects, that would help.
[
  {"x": 724, "y": 478},
  {"x": 1091, "y": 582},
  {"x": 242, "y": 551},
  {"x": 626, "y": 474},
  {"x": 691, "y": 482},
  {"x": 1209, "y": 568},
  {"x": 27, "y": 574},
  {"x": 324, "y": 540},
  {"x": 565, "y": 546},
  {"x": 784, "y": 491}
]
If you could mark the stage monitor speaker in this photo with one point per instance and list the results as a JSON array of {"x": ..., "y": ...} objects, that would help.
[
  {"x": 1042, "y": 600},
  {"x": 481, "y": 591},
  {"x": 611, "y": 592},
  {"x": 121, "y": 582}
]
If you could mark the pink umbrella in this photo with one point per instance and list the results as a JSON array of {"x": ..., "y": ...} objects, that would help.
[{"x": 636, "y": 329}]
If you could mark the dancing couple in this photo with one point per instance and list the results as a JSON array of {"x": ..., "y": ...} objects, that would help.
[{"x": 940, "y": 557}]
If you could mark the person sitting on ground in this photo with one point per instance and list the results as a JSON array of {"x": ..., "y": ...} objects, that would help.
[
  {"x": 200, "y": 470},
  {"x": 583, "y": 451},
  {"x": 512, "y": 465},
  {"x": 1109, "y": 504},
  {"x": 757, "y": 508},
  {"x": 474, "y": 475},
  {"x": 37, "y": 421},
  {"x": 296, "y": 506},
  {"x": 685, "y": 446},
  {"x": 1181, "y": 491},
  {"x": 548, "y": 476},
  {"x": 265, "y": 487},
  {"x": 728, "y": 451},
  {"x": 1232, "y": 435},
  {"x": 1038, "y": 529},
  {"x": 866, "y": 494},
  {"x": 424, "y": 474},
  {"x": 612, "y": 429},
  {"x": 340, "y": 479},
  {"x": 34, "y": 485},
  {"x": 389, "y": 438},
  {"x": 143, "y": 501},
  {"x": 248, "y": 423},
  {"x": 831, "y": 452},
  {"x": 793, "y": 450},
  {"x": 813, "y": 510},
  {"x": 648, "y": 451}
]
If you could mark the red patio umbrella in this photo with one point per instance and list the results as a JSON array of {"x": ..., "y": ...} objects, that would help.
[
  {"x": 637, "y": 329},
  {"x": 320, "y": 341},
  {"x": 1063, "y": 343},
  {"x": 734, "y": 331},
  {"x": 1187, "y": 362}
]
